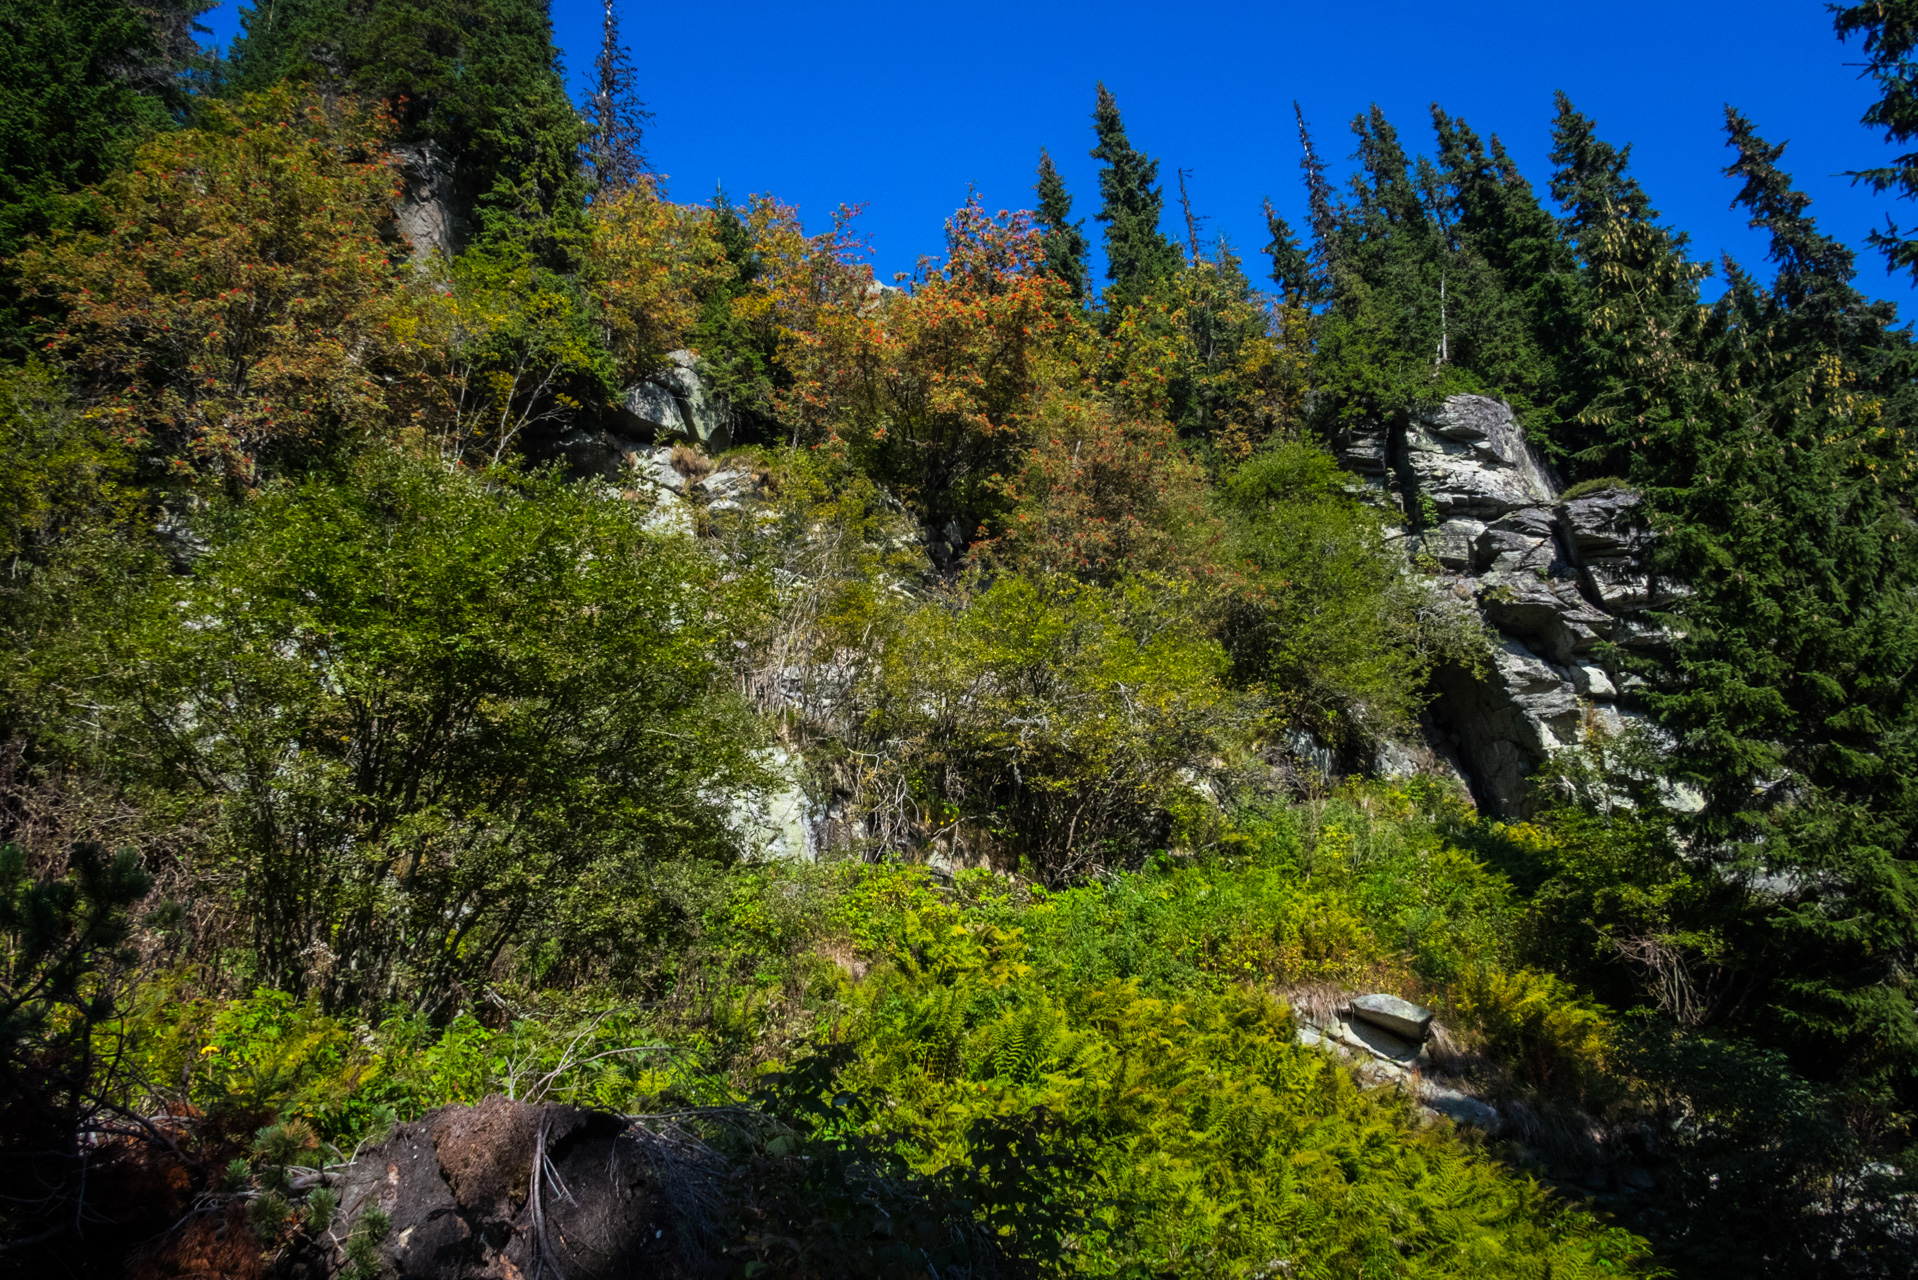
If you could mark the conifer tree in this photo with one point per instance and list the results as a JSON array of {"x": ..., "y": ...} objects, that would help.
[
  {"x": 1318, "y": 188},
  {"x": 1384, "y": 342},
  {"x": 1292, "y": 269},
  {"x": 1890, "y": 28},
  {"x": 1138, "y": 254},
  {"x": 1636, "y": 367},
  {"x": 1063, "y": 240},
  {"x": 614, "y": 145},
  {"x": 1790, "y": 687},
  {"x": 477, "y": 78},
  {"x": 1515, "y": 302},
  {"x": 82, "y": 82}
]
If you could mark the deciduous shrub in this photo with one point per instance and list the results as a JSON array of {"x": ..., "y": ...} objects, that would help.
[{"x": 433, "y": 718}]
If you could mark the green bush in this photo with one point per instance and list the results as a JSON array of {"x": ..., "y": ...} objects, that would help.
[
  {"x": 1054, "y": 724},
  {"x": 434, "y": 720},
  {"x": 1328, "y": 624}
]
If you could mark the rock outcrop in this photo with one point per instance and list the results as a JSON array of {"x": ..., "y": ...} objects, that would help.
[
  {"x": 673, "y": 404},
  {"x": 1555, "y": 579},
  {"x": 426, "y": 212}
]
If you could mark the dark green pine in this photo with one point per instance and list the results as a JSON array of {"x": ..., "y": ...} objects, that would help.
[
  {"x": 1063, "y": 239},
  {"x": 478, "y": 78},
  {"x": 1138, "y": 254}
]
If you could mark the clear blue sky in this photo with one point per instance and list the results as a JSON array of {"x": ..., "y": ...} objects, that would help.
[{"x": 900, "y": 106}]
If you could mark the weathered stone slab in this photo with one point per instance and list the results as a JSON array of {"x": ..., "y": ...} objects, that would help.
[{"x": 1400, "y": 1017}]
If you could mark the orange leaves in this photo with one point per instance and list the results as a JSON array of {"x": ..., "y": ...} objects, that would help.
[
  {"x": 648, "y": 265},
  {"x": 182, "y": 314},
  {"x": 1098, "y": 494}
]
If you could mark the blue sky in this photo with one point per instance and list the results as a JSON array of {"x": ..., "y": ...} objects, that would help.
[{"x": 902, "y": 105}]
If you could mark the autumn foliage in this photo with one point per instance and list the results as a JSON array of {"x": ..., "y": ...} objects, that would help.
[{"x": 236, "y": 304}]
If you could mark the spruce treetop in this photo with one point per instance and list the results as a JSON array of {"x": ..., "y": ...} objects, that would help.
[
  {"x": 1137, "y": 253},
  {"x": 1063, "y": 240}
]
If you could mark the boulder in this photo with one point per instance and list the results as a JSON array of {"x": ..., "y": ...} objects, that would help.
[
  {"x": 1468, "y": 459},
  {"x": 504, "y": 1189},
  {"x": 1460, "y": 1108},
  {"x": 1592, "y": 682},
  {"x": 673, "y": 403},
  {"x": 1408, "y": 1021}
]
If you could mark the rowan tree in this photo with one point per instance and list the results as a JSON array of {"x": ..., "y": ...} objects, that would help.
[
  {"x": 235, "y": 307},
  {"x": 959, "y": 363}
]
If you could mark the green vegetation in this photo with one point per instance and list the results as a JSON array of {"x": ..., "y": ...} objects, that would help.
[{"x": 380, "y": 716}]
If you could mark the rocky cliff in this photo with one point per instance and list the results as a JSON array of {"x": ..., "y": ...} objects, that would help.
[{"x": 1555, "y": 577}]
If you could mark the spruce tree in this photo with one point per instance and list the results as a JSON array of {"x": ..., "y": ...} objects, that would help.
[
  {"x": 1138, "y": 254},
  {"x": 1063, "y": 239},
  {"x": 1292, "y": 268},
  {"x": 1790, "y": 686},
  {"x": 82, "y": 82},
  {"x": 1890, "y": 30},
  {"x": 1384, "y": 342},
  {"x": 614, "y": 147},
  {"x": 1318, "y": 188},
  {"x": 1513, "y": 280},
  {"x": 478, "y": 78},
  {"x": 1636, "y": 367}
]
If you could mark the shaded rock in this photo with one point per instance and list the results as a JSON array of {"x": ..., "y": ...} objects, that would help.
[
  {"x": 673, "y": 403},
  {"x": 425, "y": 212},
  {"x": 1546, "y": 609},
  {"x": 1401, "y": 1017},
  {"x": 1461, "y": 1108},
  {"x": 1363, "y": 449},
  {"x": 1456, "y": 544},
  {"x": 1379, "y": 1042},
  {"x": 1507, "y": 721},
  {"x": 504, "y": 1189},
  {"x": 1610, "y": 540}
]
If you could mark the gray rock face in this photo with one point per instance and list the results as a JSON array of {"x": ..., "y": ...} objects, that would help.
[
  {"x": 777, "y": 826},
  {"x": 673, "y": 403},
  {"x": 1554, "y": 579},
  {"x": 1471, "y": 460},
  {"x": 425, "y": 210},
  {"x": 1610, "y": 539}
]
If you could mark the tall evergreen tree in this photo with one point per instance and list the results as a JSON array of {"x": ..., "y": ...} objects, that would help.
[
  {"x": 615, "y": 148},
  {"x": 1292, "y": 267},
  {"x": 1063, "y": 239},
  {"x": 1138, "y": 254},
  {"x": 1318, "y": 188},
  {"x": 1636, "y": 366},
  {"x": 1890, "y": 29},
  {"x": 1792, "y": 686},
  {"x": 1384, "y": 342},
  {"x": 1514, "y": 287},
  {"x": 478, "y": 78}
]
